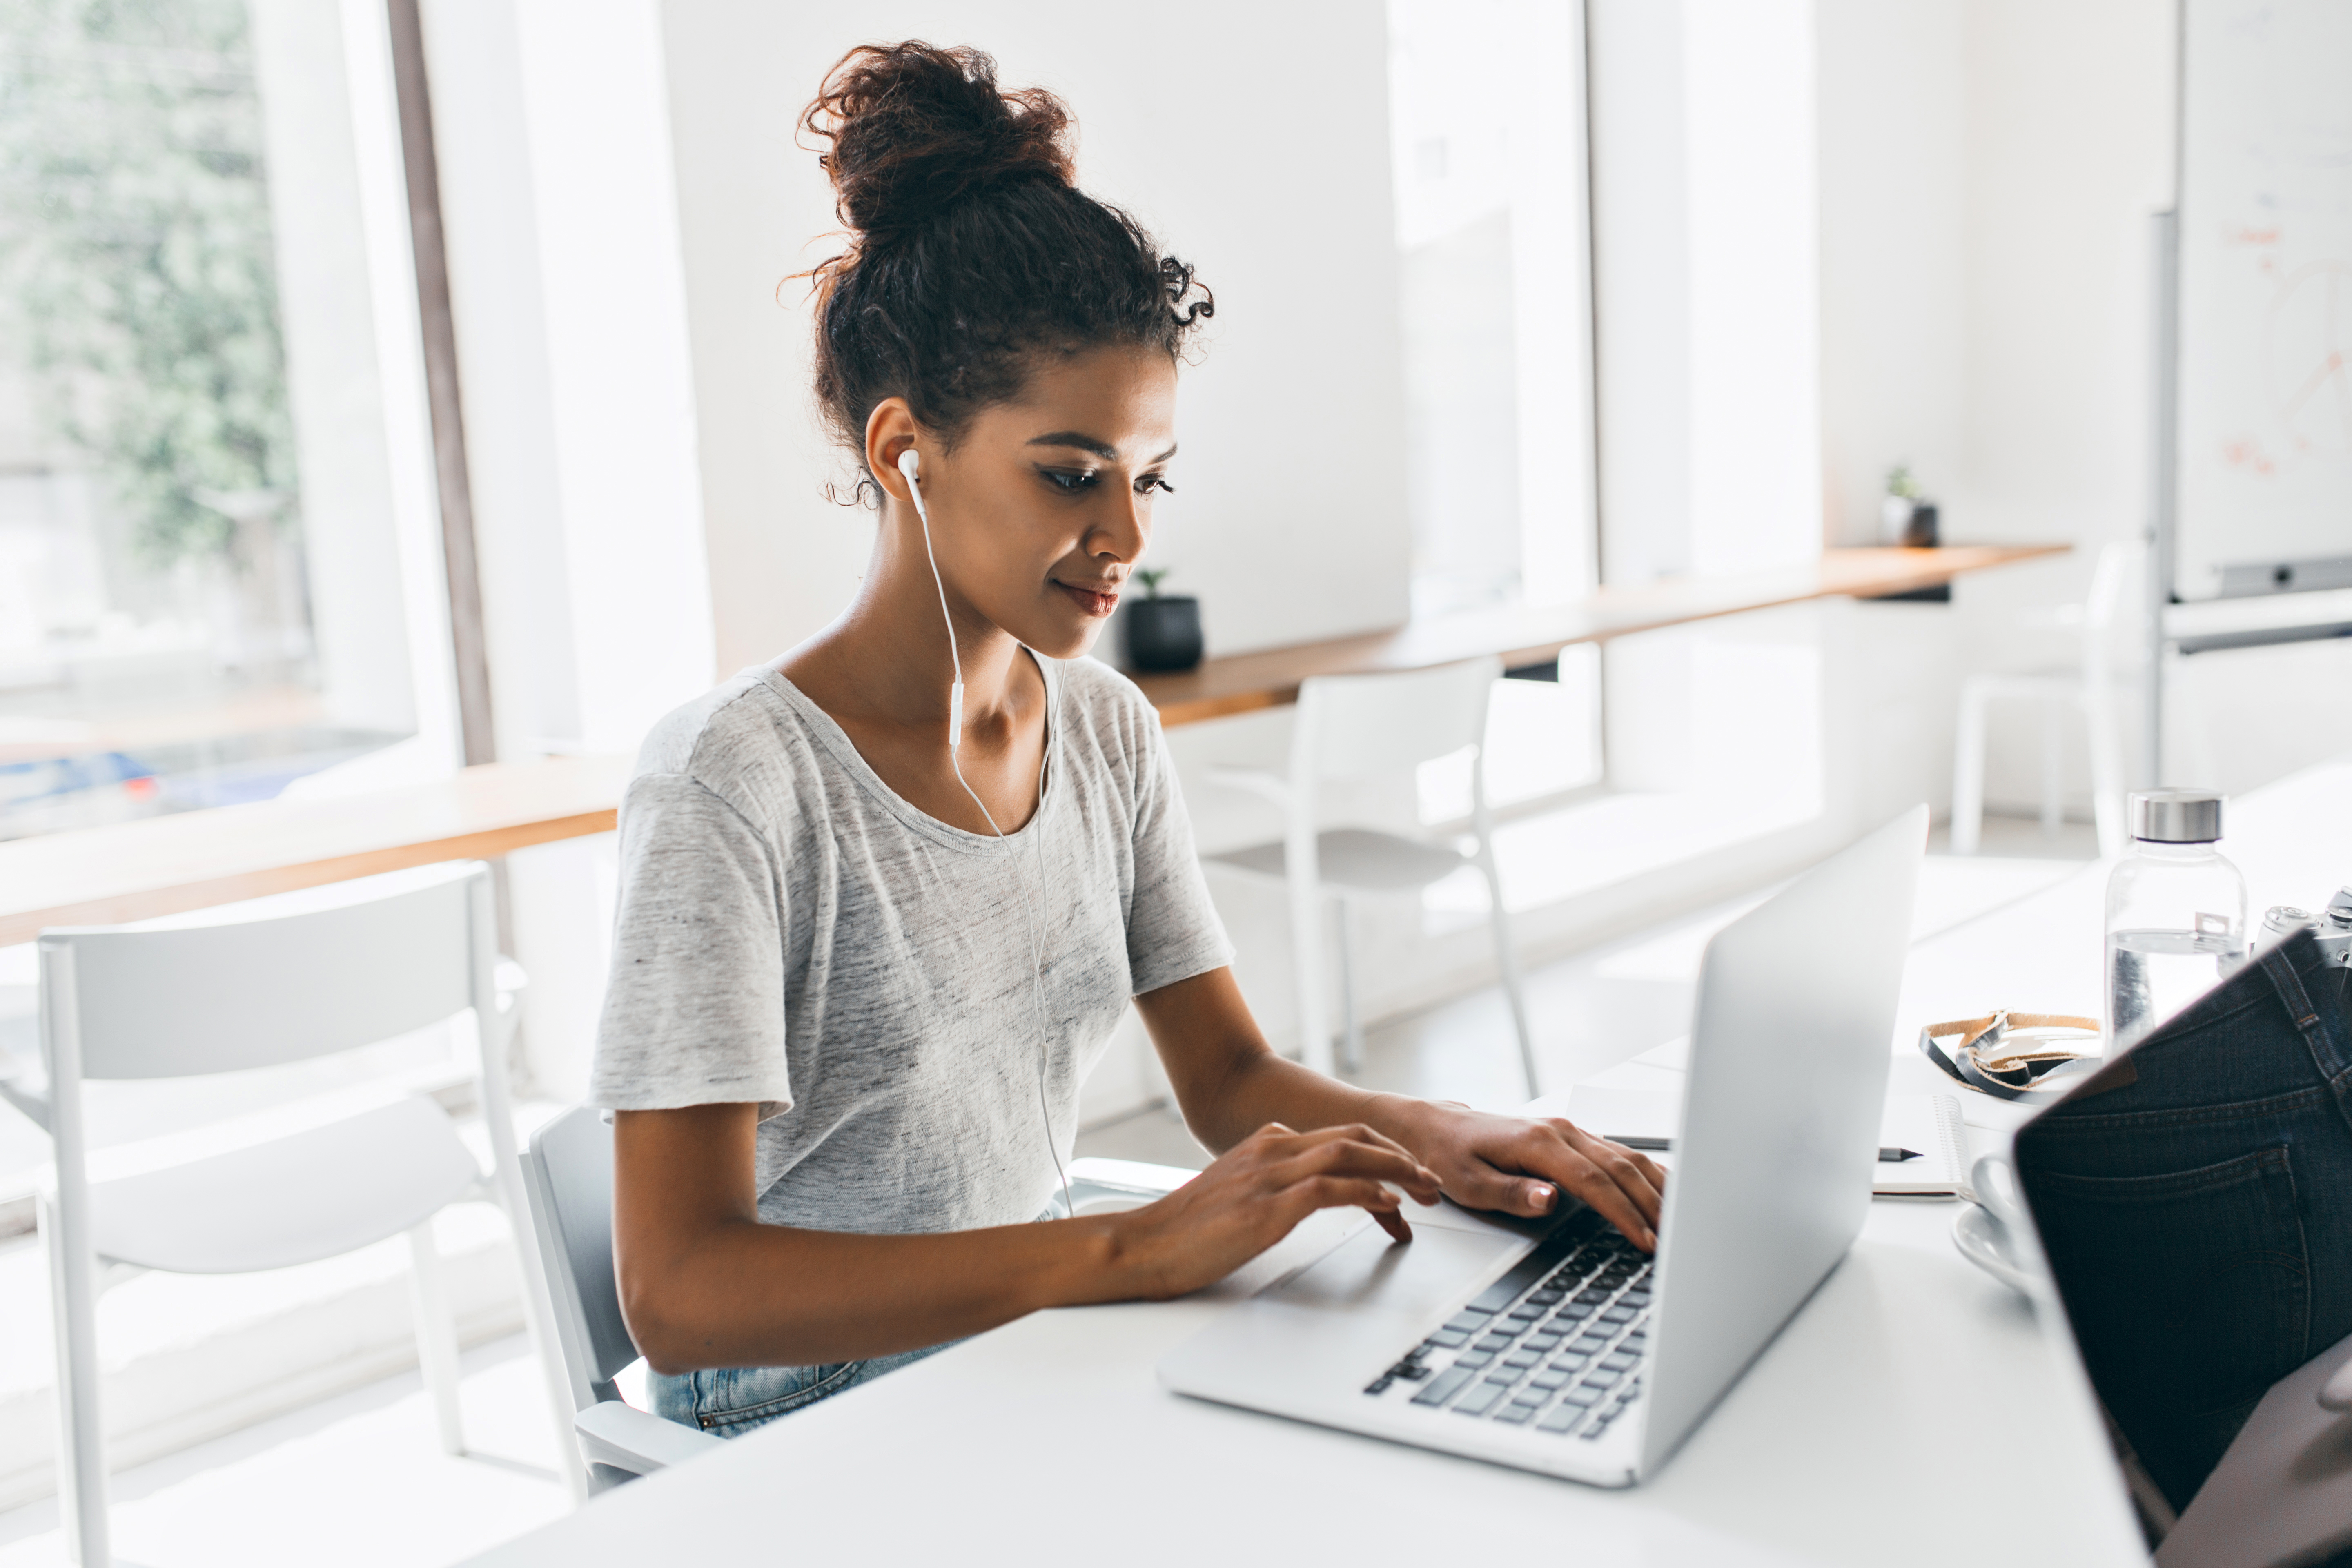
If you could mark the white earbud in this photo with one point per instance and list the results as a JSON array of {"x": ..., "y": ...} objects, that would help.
[{"x": 911, "y": 463}]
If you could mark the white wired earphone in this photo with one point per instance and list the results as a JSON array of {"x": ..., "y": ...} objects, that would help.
[{"x": 909, "y": 465}]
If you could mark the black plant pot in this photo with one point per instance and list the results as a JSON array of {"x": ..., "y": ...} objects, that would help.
[
  {"x": 1923, "y": 532},
  {"x": 1163, "y": 634}
]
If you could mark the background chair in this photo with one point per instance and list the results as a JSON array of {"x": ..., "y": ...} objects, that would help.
[
  {"x": 1363, "y": 726},
  {"x": 2087, "y": 686},
  {"x": 568, "y": 1172},
  {"x": 175, "y": 1001}
]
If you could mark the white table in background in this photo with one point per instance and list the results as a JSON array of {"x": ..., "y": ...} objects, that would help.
[{"x": 1914, "y": 1413}]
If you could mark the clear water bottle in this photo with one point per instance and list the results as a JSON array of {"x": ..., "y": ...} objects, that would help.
[{"x": 2176, "y": 913}]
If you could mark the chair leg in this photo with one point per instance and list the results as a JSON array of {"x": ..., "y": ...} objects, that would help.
[
  {"x": 2190, "y": 752},
  {"x": 437, "y": 1336},
  {"x": 1968, "y": 774},
  {"x": 506, "y": 1181},
  {"x": 2107, "y": 770},
  {"x": 1306, "y": 949},
  {"x": 1352, "y": 1017},
  {"x": 81, "y": 1437},
  {"x": 2054, "y": 741},
  {"x": 1506, "y": 959}
]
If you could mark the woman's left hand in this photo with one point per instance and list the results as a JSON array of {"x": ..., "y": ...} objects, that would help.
[{"x": 1519, "y": 1165}]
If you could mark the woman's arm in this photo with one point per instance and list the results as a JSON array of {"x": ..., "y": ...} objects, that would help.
[
  {"x": 705, "y": 1284},
  {"x": 1229, "y": 1082}
]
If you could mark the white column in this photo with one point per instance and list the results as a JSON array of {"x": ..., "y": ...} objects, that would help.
[
  {"x": 567, "y": 285},
  {"x": 1705, "y": 282}
]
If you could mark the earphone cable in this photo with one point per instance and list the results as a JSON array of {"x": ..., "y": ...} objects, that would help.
[
  {"x": 1037, "y": 968},
  {"x": 1028, "y": 909}
]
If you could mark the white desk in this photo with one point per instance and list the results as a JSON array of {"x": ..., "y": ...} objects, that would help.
[{"x": 1853, "y": 1440}]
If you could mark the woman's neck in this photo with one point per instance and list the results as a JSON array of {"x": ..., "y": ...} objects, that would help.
[{"x": 887, "y": 658}]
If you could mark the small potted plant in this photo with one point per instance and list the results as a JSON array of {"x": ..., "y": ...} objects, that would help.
[
  {"x": 1162, "y": 634},
  {"x": 1907, "y": 517}
]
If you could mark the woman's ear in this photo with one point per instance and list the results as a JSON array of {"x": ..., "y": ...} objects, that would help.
[{"x": 890, "y": 433}]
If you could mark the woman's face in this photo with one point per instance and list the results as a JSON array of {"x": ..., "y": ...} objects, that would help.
[{"x": 1045, "y": 506}]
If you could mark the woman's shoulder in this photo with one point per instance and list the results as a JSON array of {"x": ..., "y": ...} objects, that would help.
[
  {"x": 741, "y": 741},
  {"x": 1102, "y": 689},
  {"x": 1109, "y": 705}
]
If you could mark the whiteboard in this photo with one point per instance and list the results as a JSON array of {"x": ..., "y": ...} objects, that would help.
[{"x": 2263, "y": 437}]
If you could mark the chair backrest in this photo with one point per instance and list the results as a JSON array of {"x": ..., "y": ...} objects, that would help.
[
  {"x": 1357, "y": 726},
  {"x": 2107, "y": 580},
  {"x": 187, "y": 1000},
  {"x": 568, "y": 1172},
  {"x": 2103, "y": 604}
]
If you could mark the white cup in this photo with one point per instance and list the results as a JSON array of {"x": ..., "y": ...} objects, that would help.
[{"x": 1994, "y": 1179}]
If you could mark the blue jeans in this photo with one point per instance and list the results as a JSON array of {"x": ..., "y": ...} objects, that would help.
[
  {"x": 2195, "y": 1200},
  {"x": 731, "y": 1400}
]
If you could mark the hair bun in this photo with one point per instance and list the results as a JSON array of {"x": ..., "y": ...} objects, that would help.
[{"x": 912, "y": 129}]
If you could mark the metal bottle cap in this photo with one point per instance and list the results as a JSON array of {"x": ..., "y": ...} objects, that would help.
[{"x": 2177, "y": 815}]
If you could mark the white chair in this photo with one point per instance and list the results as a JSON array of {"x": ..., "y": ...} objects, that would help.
[
  {"x": 186, "y": 999},
  {"x": 2086, "y": 686},
  {"x": 1364, "y": 726},
  {"x": 568, "y": 1171}
]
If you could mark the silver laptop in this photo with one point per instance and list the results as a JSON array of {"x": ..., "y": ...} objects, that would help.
[{"x": 1559, "y": 1347}]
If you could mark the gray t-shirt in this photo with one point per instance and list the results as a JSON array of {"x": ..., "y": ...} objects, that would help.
[{"x": 793, "y": 932}]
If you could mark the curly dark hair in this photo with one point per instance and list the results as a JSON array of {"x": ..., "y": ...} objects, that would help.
[{"x": 972, "y": 255}]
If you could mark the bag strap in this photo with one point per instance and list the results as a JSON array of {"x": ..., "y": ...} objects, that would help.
[{"x": 1980, "y": 1060}]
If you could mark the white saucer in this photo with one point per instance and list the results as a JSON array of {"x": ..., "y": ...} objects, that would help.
[{"x": 1984, "y": 1241}]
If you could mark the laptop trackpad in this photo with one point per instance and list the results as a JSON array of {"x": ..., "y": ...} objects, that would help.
[{"x": 1370, "y": 1271}]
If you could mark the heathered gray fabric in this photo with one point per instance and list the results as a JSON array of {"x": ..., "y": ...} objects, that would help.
[{"x": 790, "y": 931}]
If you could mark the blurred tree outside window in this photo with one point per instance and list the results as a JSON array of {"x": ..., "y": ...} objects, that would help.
[{"x": 155, "y": 635}]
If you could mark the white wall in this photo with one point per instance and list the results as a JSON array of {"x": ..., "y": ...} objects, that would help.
[
  {"x": 1892, "y": 80},
  {"x": 1263, "y": 162},
  {"x": 1987, "y": 172},
  {"x": 2070, "y": 136}
]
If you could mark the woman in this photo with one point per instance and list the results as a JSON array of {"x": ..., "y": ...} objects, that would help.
[{"x": 848, "y": 1016}]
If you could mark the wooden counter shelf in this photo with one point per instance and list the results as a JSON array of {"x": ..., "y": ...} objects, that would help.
[
  {"x": 1241, "y": 683},
  {"x": 169, "y": 865},
  {"x": 195, "y": 860}
]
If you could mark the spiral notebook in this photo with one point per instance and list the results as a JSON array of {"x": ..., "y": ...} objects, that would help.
[{"x": 1928, "y": 1123}]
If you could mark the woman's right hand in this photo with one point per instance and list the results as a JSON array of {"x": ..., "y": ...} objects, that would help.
[{"x": 1252, "y": 1197}]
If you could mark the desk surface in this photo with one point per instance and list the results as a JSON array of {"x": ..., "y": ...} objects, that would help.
[
  {"x": 167, "y": 865},
  {"x": 1050, "y": 1440},
  {"x": 1519, "y": 635},
  {"x": 1846, "y": 1443}
]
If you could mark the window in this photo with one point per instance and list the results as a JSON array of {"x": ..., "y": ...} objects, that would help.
[{"x": 201, "y": 595}]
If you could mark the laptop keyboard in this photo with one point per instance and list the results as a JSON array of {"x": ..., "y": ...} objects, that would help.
[{"x": 1557, "y": 1344}]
